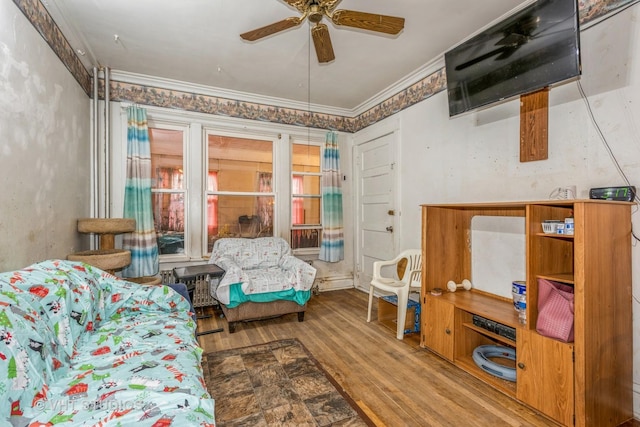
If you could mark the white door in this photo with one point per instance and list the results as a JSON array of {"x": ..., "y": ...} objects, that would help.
[{"x": 375, "y": 161}]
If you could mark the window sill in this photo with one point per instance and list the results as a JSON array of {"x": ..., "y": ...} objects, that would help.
[
  {"x": 307, "y": 251},
  {"x": 173, "y": 259}
]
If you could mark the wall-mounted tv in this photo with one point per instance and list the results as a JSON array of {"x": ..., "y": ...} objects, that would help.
[{"x": 534, "y": 48}]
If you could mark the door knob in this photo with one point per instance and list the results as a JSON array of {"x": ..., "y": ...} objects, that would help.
[
  {"x": 390, "y": 229},
  {"x": 521, "y": 365}
]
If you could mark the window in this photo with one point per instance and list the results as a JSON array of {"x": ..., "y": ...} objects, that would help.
[
  {"x": 242, "y": 194},
  {"x": 168, "y": 189},
  {"x": 306, "y": 197},
  {"x": 213, "y": 179}
]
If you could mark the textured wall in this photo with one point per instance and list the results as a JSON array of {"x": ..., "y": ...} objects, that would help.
[
  {"x": 475, "y": 157},
  {"x": 44, "y": 147}
]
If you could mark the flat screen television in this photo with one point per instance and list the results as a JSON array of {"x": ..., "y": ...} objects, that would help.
[{"x": 534, "y": 48}]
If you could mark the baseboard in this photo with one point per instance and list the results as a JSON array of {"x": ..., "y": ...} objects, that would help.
[{"x": 334, "y": 283}]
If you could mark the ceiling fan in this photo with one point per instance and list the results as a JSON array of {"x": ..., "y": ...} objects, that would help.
[{"x": 315, "y": 10}]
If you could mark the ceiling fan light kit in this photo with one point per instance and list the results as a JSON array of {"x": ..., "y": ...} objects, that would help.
[{"x": 315, "y": 11}]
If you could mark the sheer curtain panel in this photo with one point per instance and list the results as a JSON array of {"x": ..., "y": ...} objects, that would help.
[
  {"x": 332, "y": 247},
  {"x": 137, "y": 198}
]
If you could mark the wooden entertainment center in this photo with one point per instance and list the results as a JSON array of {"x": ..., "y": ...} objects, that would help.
[{"x": 584, "y": 383}]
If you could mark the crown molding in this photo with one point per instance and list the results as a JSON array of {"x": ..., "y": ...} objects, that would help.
[
  {"x": 164, "y": 83},
  {"x": 416, "y": 76}
]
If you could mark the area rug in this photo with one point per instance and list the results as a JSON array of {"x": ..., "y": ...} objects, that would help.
[{"x": 276, "y": 384}]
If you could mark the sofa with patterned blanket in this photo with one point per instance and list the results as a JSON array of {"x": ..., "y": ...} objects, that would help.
[
  {"x": 262, "y": 279},
  {"x": 79, "y": 346}
]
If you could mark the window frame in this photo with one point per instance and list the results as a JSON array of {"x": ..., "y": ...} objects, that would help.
[
  {"x": 194, "y": 126},
  {"x": 274, "y": 176},
  {"x": 293, "y": 196},
  {"x": 186, "y": 175}
]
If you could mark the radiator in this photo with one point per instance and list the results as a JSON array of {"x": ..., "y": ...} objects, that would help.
[
  {"x": 201, "y": 295},
  {"x": 167, "y": 277}
]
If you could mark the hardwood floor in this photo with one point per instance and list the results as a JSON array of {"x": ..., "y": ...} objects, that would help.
[{"x": 396, "y": 382}]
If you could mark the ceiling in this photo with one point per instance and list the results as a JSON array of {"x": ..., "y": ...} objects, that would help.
[{"x": 198, "y": 41}]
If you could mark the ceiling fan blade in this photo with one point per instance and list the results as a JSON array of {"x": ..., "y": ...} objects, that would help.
[
  {"x": 267, "y": 30},
  {"x": 368, "y": 21},
  {"x": 329, "y": 5},
  {"x": 301, "y": 5},
  {"x": 322, "y": 42}
]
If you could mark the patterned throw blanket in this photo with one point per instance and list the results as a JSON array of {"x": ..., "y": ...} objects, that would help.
[
  {"x": 79, "y": 346},
  {"x": 260, "y": 266}
]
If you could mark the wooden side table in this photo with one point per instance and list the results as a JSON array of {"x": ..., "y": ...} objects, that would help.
[{"x": 190, "y": 276}]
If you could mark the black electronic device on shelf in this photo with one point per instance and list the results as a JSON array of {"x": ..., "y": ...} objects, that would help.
[
  {"x": 495, "y": 327},
  {"x": 626, "y": 193}
]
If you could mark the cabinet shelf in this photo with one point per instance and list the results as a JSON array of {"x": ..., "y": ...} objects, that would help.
[
  {"x": 555, "y": 236},
  {"x": 558, "y": 277},
  {"x": 494, "y": 336},
  {"x": 490, "y": 307}
]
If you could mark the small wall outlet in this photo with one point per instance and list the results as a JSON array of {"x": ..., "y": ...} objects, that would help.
[
  {"x": 564, "y": 193},
  {"x": 570, "y": 192}
]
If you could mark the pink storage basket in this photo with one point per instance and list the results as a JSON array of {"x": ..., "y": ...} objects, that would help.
[{"x": 555, "y": 310}]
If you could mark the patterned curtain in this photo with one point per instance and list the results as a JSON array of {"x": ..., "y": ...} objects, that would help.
[
  {"x": 332, "y": 248},
  {"x": 265, "y": 207},
  {"x": 297, "y": 213},
  {"x": 212, "y": 204},
  {"x": 137, "y": 198}
]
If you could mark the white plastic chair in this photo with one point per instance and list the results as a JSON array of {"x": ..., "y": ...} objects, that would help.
[{"x": 401, "y": 286}]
